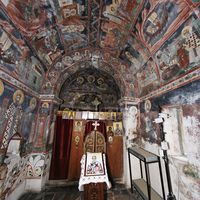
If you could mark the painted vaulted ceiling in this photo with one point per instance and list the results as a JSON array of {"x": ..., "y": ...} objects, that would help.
[{"x": 140, "y": 44}]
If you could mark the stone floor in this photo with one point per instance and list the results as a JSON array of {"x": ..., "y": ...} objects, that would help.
[{"x": 119, "y": 192}]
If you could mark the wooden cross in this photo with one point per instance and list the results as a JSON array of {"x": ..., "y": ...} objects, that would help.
[{"x": 95, "y": 124}]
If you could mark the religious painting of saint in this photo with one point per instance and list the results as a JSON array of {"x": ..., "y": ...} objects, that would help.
[
  {"x": 147, "y": 105},
  {"x": 102, "y": 116},
  {"x": 113, "y": 116},
  {"x": 119, "y": 116},
  {"x": 65, "y": 115},
  {"x": 27, "y": 125},
  {"x": 78, "y": 126},
  {"x": 117, "y": 128},
  {"x": 12, "y": 118},
  {"x": 71, "y": 114},
  {"x": 107, "y": 115},
  {"x": 94, "y": 164},
  {"x": 109, "y": 131}
]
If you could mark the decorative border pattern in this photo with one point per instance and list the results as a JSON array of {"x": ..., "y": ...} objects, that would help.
[
  {"x": 192, "y": 76},
  {"x": 4, "y": 76}
]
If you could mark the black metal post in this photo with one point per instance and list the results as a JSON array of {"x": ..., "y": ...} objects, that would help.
[
  {"x": 161, "y": 178},
  {"x": 129, "y": 161},
  {"x": 141, "y": 169},
  {"x": 170, "y": 196},
  {"x": 148, "y": 181}
]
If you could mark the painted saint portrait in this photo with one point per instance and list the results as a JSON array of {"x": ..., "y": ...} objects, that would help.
[
  {"x": 110, "y": 131},
  {"x": 117, "y": 128},
  {"x": 78, "y": 126}
]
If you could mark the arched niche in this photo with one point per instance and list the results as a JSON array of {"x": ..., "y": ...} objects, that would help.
[{"x": 90, "y": 89}]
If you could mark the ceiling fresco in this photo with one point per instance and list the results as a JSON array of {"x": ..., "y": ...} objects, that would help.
[{"x": 142, "y": 44}]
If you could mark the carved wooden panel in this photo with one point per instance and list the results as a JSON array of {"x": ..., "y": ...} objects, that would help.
[
  {"x": 115, "y": 157},
  {"x": 95, "y": 142}
]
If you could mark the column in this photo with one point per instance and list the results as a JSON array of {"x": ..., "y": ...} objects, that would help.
[{"x": 129, "y": 108}]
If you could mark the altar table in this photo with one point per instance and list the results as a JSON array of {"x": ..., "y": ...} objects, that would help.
[{"x": 94, "y": 178}]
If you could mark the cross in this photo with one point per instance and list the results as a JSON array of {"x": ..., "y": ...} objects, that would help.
[
  {"x": 96, "y": 102},
  {"x": 95, "y": 124}
]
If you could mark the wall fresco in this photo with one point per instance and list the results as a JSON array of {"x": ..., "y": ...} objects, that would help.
[
  {"x": 174, "y": 60},
  {"x": 157, "y": 19},
  {"x": 148, "y": 78},
  {"x": 130, "y": 8},
  {"x": 16, "y": 58},
  {"x": 18, "y": 114},
  {"x": 135, "y": 54},
  {"x": 150, "y": 131},
  {"x": 47, "y": 44},
  {"x": 16, "y": 174},
  {"x": 186, "y": 95},
  {"x": 160, "y": 19},
  {"x": 41, "y": 133},
  {"x": 182, "y": 134},
  {"x": 35, "y": 165},
  {"x": 20, "y": 168}
]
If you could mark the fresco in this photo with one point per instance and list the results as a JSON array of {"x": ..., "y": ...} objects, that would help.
[
  {"x": 35, "y": 20},
  {"x": 130, "y": 8},
  {"x": 43, "y": 122},
  {"x": 185, "y": 163},
  {"x": 160, "y": 19},
  {"x": 157, "y": 19},
  {"x": 111, "y": 33},
  {"x": 135, "y": 54},
  {"x": 10, "y": 52},
  {"x": 47, "y": 44},
  {"x": 18, "y": 114},
  {"x": 174, "y": 60},
  {"x": 75, "y": 38},
  {"x": 29, "y": 15},
  {"x": 15, "y": 57},
  {"x": 76, "y": 91},
  {"x": 149, "y": 130},
  {"x": 147, "y": 78}
]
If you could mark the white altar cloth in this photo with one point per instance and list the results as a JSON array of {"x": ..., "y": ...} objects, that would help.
[{"x": 93, "y": 170}]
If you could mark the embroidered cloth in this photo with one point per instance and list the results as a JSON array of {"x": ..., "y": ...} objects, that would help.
[{"x": 93, "y": 170}]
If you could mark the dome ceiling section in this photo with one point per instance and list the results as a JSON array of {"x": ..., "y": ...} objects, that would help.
[
  {"x": 37, "y": 23},
  {"x": 52, "y": 28},
  {"x": 89, "y": 88},
  {"x": 16, "y": 58}
]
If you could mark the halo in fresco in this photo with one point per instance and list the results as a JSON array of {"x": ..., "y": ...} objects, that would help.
[
  {"x": 18, "y": 93},
  {"x": 45, "y": 105},
  {"x": 33, "y": 102},
  {"x": 186, "y": 30},
  {"x": 147, "y": 105},
  {"x": 1, "y": 87}
]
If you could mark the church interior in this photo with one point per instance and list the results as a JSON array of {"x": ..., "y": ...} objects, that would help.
[{"x": 100, "y": 93}]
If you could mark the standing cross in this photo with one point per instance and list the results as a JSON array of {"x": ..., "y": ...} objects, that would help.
[{"x": 95, "y": 124}]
